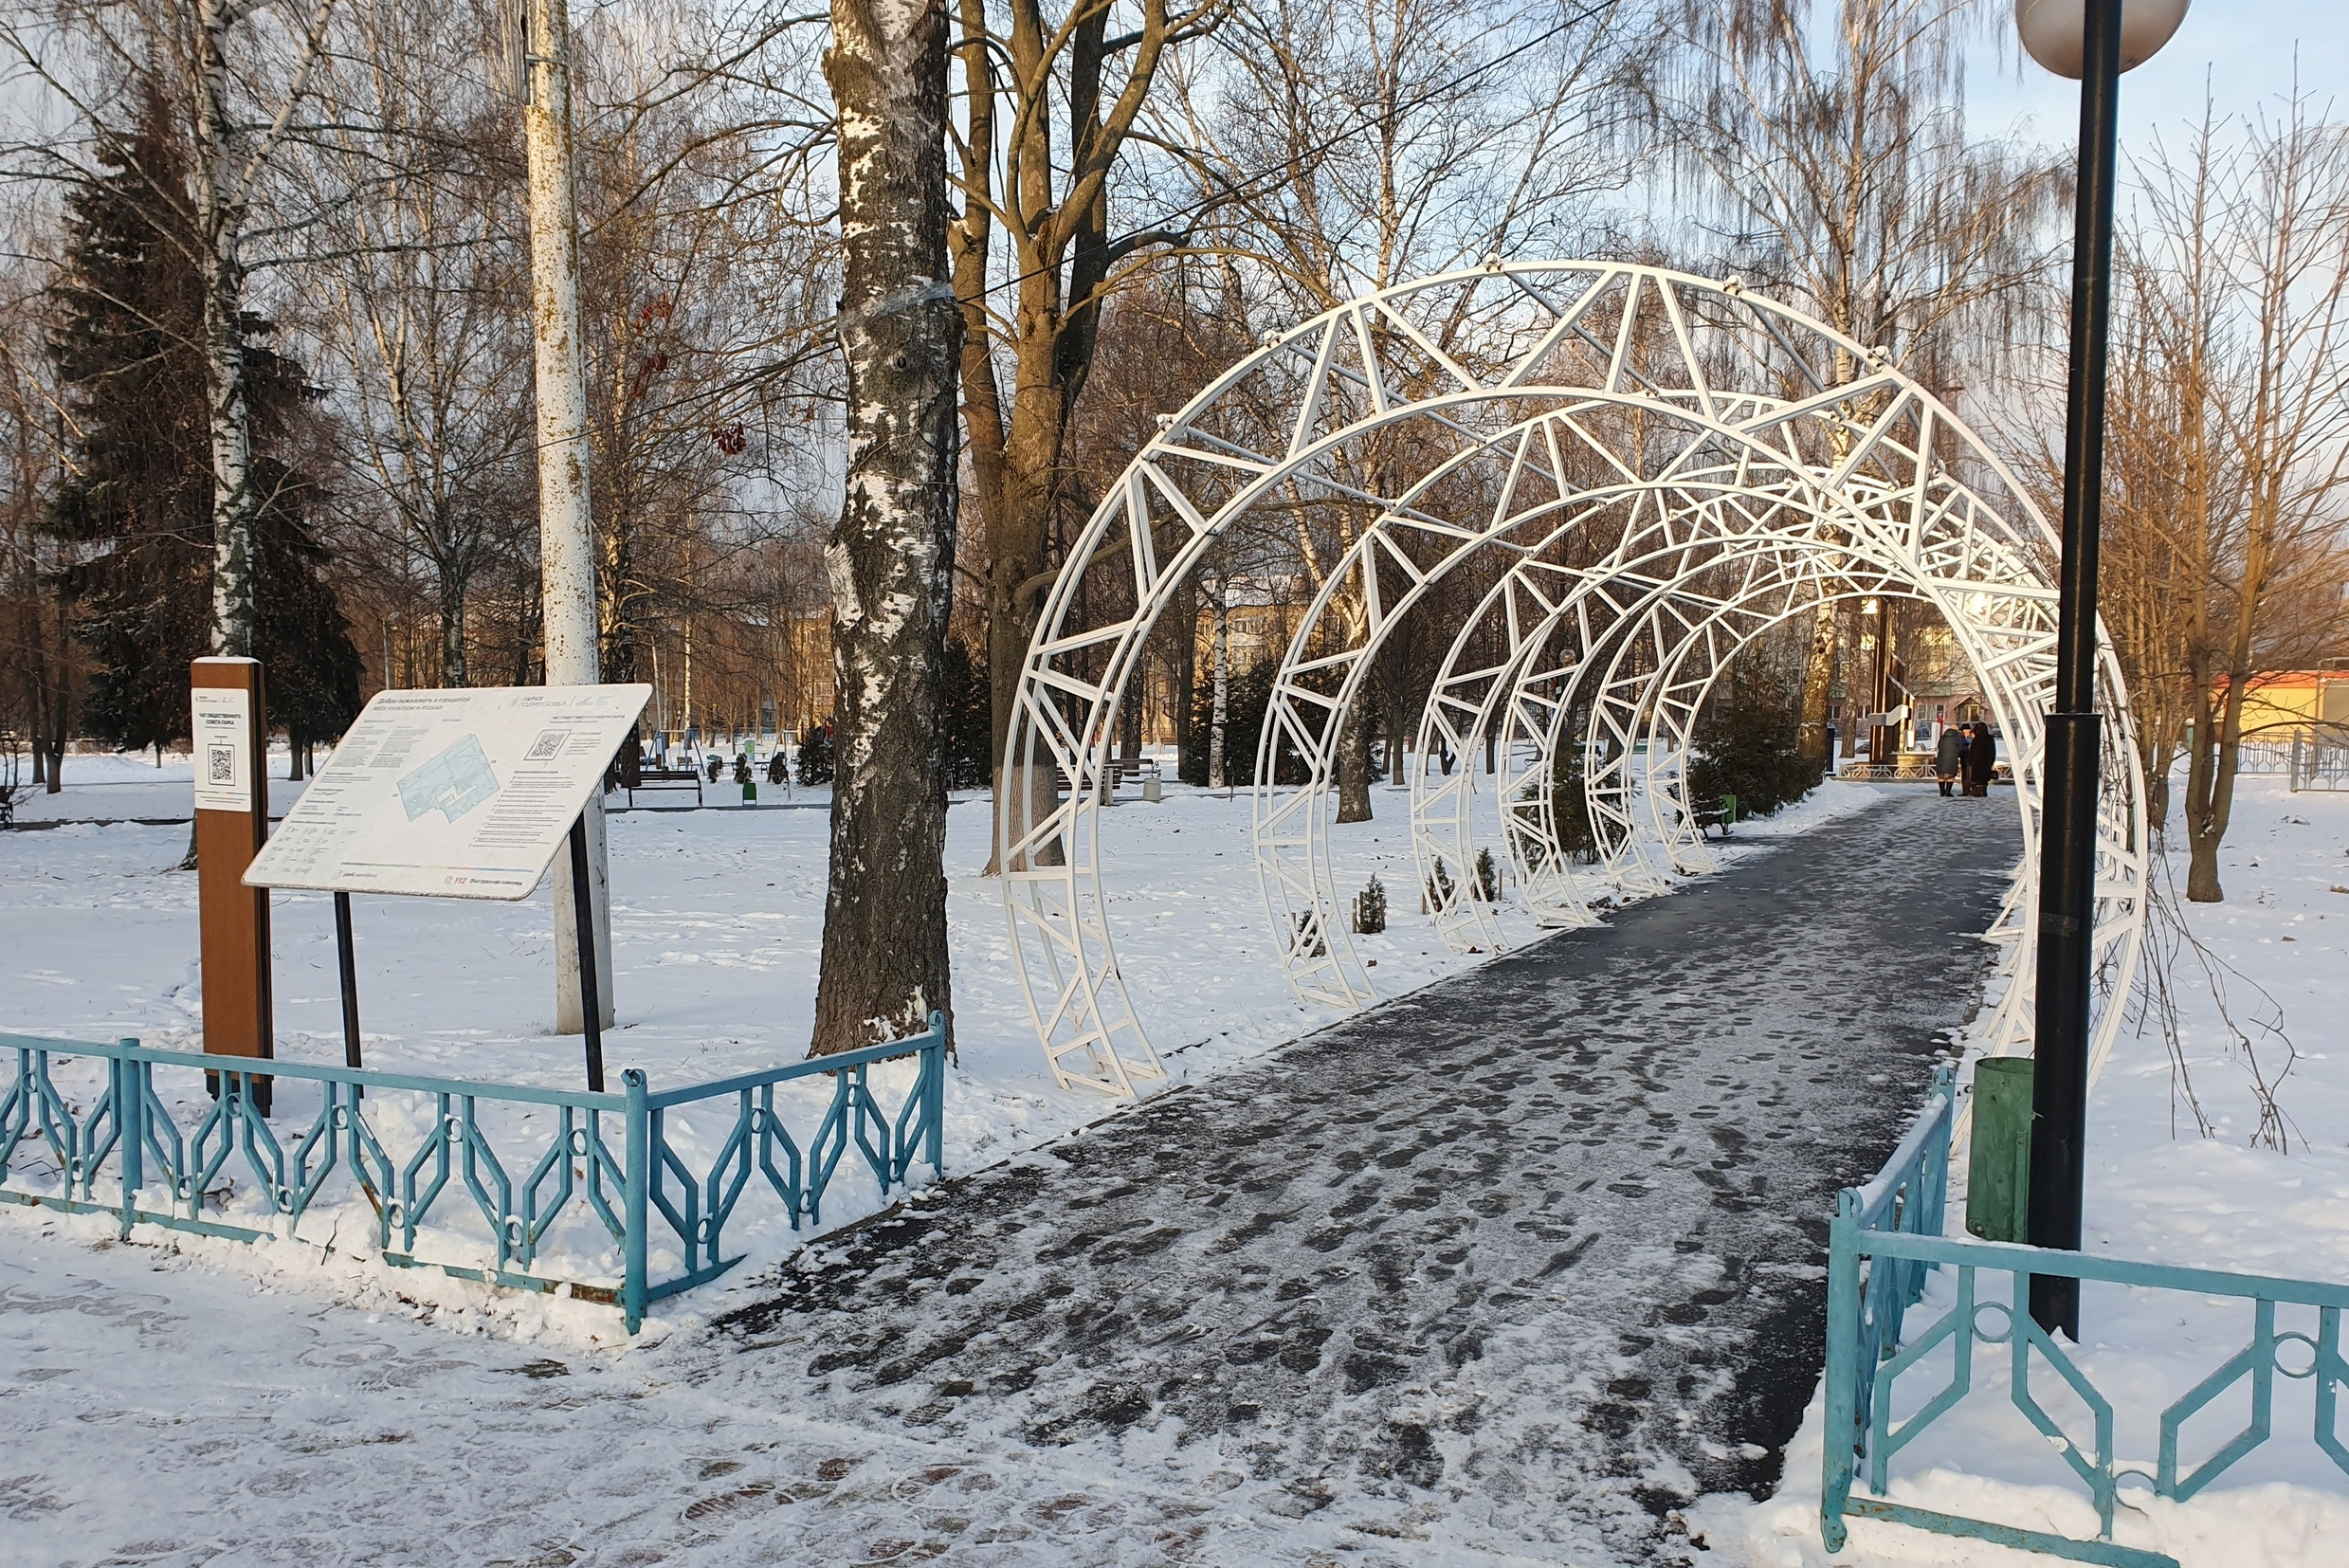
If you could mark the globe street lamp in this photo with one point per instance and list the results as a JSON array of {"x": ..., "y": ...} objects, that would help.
[{"x": 2093, "y": 41}]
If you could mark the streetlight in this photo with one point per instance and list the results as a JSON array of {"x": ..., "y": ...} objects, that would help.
[{"x": 2093, "y": 41}]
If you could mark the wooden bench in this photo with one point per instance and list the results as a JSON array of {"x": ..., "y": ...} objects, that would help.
[
  {"x": 1112, "y": 778},
  {"x": 635, "y": 775},
  {"x": 1708, "y": 814}
]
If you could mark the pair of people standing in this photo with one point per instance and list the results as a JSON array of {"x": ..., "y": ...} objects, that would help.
[{"x": 1964, "y": 756}]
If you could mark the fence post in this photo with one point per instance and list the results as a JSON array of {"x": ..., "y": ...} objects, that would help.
[
  {"x": 1843, "y": 1345},
  {"x": 633, "y": 1200},
  {"x": 130, "y": 1120},
  {"x": 1934, "y": 1212},
  {"x": 934, "y": 1086}
]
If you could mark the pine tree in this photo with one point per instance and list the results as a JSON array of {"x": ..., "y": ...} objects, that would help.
[
  {"x": 817, "y": 759},
  {"x": 138, "y": 500},
  {"x": 966, "y": 718}
]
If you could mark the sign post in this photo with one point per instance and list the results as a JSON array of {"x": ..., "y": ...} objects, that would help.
[{"x": 231, "y": 724}]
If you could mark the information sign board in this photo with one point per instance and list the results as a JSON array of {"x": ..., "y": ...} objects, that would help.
[
  {"x": 223, "y": 718},
  {"x": 464, "y": 793}
]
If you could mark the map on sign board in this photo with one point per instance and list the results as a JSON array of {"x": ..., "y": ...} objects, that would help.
[
  {"x": 465, "y": 793},
  {"x": 456, "y": 781}
]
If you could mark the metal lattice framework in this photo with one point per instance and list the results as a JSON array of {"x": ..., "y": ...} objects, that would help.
[{"x": 1605, "y": 479}]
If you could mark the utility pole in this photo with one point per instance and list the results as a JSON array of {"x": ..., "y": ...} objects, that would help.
[{"x": 566, "y": 524}]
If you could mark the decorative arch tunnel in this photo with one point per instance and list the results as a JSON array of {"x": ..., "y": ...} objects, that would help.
[{"x": 1598, "y": 482}]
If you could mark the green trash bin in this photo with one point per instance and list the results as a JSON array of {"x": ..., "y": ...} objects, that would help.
[
  {"x": 1728, "y": 810},
  {"x": 1998, "y": 1179}
]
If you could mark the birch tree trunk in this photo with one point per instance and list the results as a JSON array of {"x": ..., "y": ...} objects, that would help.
[
  {"x": 454, "y": 672},
  {"x": 1354, "y": 762},
  {"x": 218, "y": 208},
  {"x": 566, "y": 527},
  {"x": 1818, "y": 691},
  {"x": 891, "y": 558}
]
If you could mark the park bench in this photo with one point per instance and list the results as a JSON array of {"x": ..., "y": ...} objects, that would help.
[
  {"x": 1711, "y": 813},
  {"x": 635, "y": 774},
  {"x": 1113, "y": 776}
]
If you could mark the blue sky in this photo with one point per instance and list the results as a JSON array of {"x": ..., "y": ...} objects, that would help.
[{"x": 2244, "y": 49}]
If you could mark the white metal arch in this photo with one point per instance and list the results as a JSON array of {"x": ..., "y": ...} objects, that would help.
[
  {"x": 1577, "y": 379},
  {"x": 1530, "y": 692},
  {"x": 1547, "y": 622},
  {"x": 1644, "y": 722},
  {"x": 1725, "y": 491}
]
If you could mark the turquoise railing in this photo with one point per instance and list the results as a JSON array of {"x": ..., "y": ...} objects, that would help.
[
  {"x": 1887, "y": 1236},
  {"x": 506, "y": 1172}
]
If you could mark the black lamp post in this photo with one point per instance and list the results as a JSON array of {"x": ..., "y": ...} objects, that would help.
[{"x": 2093, "y": 41}]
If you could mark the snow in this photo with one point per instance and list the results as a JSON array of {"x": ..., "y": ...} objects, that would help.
[
  {"x": 195, "y": 1401},
  {"x": 2157, "y": 1192},
  {"x": 301, "y": 1364}
]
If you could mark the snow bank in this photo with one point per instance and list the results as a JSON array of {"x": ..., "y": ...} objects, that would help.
[{"x": 2160, "y": 1191}]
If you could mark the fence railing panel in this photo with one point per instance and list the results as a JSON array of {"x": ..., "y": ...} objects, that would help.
[
  {"x": 2320, "y": 763},
  {"x": 1876, "y": 1272},
  {"x": 616, "y": 1197}
]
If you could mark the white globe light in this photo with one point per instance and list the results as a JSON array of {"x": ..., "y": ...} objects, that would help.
[{"x": 2054, "y": 31}]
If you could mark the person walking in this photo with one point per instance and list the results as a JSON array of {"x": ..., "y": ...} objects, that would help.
[
  {"x": 1980, "y": 757},
  {"x": 1946, "y": 753}
]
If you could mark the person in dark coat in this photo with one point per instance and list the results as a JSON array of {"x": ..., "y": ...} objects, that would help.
[
  {"x": 1980, "y": 757},
  {"x": 1946, "y": 753}
]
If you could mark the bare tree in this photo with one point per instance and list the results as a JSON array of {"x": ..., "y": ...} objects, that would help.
[
  {"x": 2240, "y": 269},
  {"x": 1832, "y": 166},
  {"x": 1050, "y": 106},
  {"x": 422, "y": 318},
  {"x": 40, "y": 666},
  {"x": 1346, "y": 149}
]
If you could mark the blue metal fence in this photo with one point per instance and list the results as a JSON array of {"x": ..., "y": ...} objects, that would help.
[
  {"x": 462, "y": 1166},
  {"x": 1887, "y": 1236}
]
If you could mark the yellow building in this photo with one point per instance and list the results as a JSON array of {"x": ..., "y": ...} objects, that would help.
[{"x": 2284, "y": 704}]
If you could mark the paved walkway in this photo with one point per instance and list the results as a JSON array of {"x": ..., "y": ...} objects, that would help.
[
  {"x": 1521, "y": 1260},
  {"x": 1491, "y": 1275}
]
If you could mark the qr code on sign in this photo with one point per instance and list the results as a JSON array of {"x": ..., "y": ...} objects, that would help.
[
  {"x": 221, "y": 764},
  {"x": 547, "y": 746}
]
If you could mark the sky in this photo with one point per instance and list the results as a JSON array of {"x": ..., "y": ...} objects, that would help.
[{"x": 2247, "y": 52}]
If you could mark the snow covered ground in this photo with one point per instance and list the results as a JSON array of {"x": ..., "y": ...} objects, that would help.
[
  {"x": 126, "y": 786},
  {"x": 717, "y": 919},
  {"x": 243, "y": 1404},
  {"x": 2156, "y": 1190},
  {"x": 717, "y": 915}
]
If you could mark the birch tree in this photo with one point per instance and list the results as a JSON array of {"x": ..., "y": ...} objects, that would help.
[
  {"x": 238, "y": 74},
  {"x": 421, "y": 304},
  {"x": 891, "y": 556}
]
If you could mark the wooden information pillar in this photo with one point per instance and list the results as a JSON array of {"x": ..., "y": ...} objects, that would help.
[{"x": 230, "y": 744}]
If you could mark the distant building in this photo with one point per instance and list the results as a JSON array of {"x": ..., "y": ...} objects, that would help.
[
  {"x": 2282, "y": 704},
  {"x": 1261, "y": 617}
]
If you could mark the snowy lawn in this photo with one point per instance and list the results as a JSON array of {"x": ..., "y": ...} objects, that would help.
[
  {"x": 717, "y": 917},
  {"x": 126, "y": 786},
  {"x": 2157, "y": 1191}
]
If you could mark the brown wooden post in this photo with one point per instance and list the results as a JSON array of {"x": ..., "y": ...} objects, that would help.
[{"x": 231, "y": 755}]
